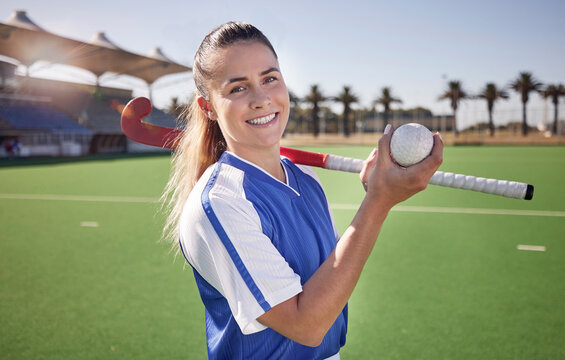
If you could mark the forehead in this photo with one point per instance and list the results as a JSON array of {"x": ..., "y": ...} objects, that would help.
[{"x": 242, "y": 59}]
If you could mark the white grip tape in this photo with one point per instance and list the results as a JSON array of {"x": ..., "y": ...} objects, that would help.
[
  {"x": 506, "y": 188},
  {"x": 511, "y": 189},
  {"x": 336, "y": 162}
]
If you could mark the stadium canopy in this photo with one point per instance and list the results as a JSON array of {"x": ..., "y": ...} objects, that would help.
[{"x": 26, "y": 42}]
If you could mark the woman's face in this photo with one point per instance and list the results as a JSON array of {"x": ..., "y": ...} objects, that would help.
[{"x": 248, "y": 97}]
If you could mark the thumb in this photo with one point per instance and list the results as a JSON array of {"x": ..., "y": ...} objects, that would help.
[{"x": 384, "y": 141}]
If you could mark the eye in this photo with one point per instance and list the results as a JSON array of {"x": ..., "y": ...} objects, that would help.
[
  {"x": 237, "y": 89},
  {"x": 270, "y": 79}
]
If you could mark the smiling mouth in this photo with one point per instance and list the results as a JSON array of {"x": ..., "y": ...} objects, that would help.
[{"x": 262, "y": 120}]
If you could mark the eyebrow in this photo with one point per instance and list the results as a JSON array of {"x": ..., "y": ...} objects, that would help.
[{"x": 271, "y": 69}]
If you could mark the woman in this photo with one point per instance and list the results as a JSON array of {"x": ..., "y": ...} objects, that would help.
[{"x": 256, "y": 228}]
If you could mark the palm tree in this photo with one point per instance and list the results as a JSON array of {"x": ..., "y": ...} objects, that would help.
[
  {"x": 454, "y": 93},
  {"x": 294, "y": 100},
  {"x": 294, "y": 111},
  {"x": 385, "y": 100},
  {"x": 491, "y": 93},
  {"x": 346, "y": 98},
  {"x": 524, "y": 84},
  {"x": 315, "y": 98},
  {"x": 175, "y": 108},
  {"x": 554, "y": 92}
]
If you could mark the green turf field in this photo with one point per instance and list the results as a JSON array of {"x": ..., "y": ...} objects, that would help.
[{"x": 445, "y": 280}]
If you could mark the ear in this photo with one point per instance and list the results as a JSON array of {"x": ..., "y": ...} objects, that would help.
[{"x": 207, "y": 108}]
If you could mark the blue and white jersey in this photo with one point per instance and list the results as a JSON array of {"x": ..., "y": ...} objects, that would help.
[{"x": 253, "y": 241}]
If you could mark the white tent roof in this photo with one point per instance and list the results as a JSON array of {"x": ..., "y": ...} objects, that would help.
[
  {"x": 23, "y": 40},
  {"x": 157, "y": 53},
  {"x": 19, "y": 18},
  {"x": 100, "y": 39}
]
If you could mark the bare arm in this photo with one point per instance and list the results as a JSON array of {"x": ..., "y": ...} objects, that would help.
[{"x": 306, "y": 317}]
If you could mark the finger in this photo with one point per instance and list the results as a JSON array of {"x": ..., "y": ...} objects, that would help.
[
  {"x": 372, "y": 158},
  {"x": 368, "y": 166},
  {"x": 434, "y": 160},
  {"x": 436, "y": 156},
  {"x": 438, "y": 144},
  {"x": 384, "y": 141},
  {"x": 372, "y": 155}
]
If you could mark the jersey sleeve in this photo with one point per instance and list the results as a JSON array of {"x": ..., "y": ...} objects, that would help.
[{"x": 221, "y": 237}]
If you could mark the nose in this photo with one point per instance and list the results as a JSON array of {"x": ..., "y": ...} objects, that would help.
[{"x": 259, "y": 98}]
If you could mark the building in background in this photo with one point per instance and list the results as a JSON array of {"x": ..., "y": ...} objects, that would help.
[{"x": 41, "y": 117}]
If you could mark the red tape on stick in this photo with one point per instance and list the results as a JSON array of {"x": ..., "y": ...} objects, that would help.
[{"x": 305, "y": 157}]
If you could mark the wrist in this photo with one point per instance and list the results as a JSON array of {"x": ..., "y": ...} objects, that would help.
[
  {"x": 374, "y": 208},
  {"x": 378, "y": 201}
]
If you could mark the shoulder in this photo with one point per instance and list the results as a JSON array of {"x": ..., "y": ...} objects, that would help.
[
  {"x": 304, "y": 173},
  {"x": 215, "y": 209},
  {"x": 219, "y": 182},
  {"x": 220, "y": 186},
  {"x": 307, "y": 170},
  {"x": 219, "y": 197}
]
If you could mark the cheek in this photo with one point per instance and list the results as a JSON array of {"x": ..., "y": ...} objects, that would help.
[
  {"x": 281, "y": 94},
  {"x": 224, "y": 109},
  {"x": 228, "y": 113},
  {"x": 285, "y": 102}
]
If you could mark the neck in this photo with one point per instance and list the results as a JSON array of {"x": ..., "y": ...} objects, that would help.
[{"x": 267, "y": 159}]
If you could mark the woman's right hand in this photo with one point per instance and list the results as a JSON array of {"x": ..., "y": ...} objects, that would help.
[{"x": 390, "y": 183}]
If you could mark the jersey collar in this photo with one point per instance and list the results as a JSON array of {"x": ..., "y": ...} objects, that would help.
[{"x": 232, "y": 159}]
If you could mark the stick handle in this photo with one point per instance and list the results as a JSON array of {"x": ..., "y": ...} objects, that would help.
[
  {"x": 336, "y": 162},
  {"x": 511, "y": 189}
]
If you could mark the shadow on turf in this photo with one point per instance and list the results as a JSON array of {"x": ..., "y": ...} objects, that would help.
[{"x": 33, "y": 161}]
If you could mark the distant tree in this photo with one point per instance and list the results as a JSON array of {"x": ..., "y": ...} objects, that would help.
[
  {"x": 413, "y": 112},
  {"x": 385, "y": 100},
  {"x": 331, "y": 119},
  {"x": 491, "y": 94},
  {"x": 554, "y": 92},
  {"x": 454, "y": 93},
  {"x": 315, "y": 97},
  {"x": 523, "y": 85},
  {"x": 294, "y": 100},
  {"x": 346, "y": 97},
  {"x": 295, "y": 112},
  {"x": 363, "y": 115},
  {"x": 175, "y": 108}
]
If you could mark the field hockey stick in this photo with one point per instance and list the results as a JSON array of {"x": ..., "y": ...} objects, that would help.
[{"x": 159, "y": 136}]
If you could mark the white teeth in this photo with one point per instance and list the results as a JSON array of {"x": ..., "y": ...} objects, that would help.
[{"x": 262, "y": 120}]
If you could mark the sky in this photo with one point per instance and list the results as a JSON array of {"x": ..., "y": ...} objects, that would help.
[{"x": 414, "y": 47}]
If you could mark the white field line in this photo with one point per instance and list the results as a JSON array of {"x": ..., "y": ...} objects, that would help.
[
  {"x": 398, "y": 208},
  {"x": 453, "y": 210},
  {"x": 531, "y": 247},
  {"x": 119, "y": 199}
]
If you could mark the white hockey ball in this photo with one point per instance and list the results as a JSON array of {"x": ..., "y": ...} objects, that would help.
[{"x": 411, "y": 143}]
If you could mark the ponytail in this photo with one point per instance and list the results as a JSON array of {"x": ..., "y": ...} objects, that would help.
[{"x": 200, "y": 146}]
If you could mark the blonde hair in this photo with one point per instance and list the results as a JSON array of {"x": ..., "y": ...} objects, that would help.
[{"x": 202, "y": 142}]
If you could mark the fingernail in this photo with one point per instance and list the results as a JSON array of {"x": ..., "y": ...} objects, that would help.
[
  {"x": 438, "y": 134},
  {"x": 373, "y": 152},
  {"x": 387, "y": 129}
]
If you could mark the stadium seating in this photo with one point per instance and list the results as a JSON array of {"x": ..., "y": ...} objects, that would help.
[
  {"x": 161, "y": 118},
  {"x": 101, "y": 118},
  {"x": 39, "y": 117}
]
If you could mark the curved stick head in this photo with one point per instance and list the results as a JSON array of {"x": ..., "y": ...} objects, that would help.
[{"x": 145, "y": 133}]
